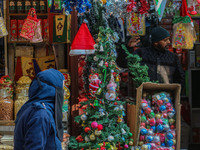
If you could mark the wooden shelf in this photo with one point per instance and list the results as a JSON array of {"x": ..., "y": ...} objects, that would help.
[
  {"x": 22, "y": 42},
  {"x": 16, "y": 14},
  {"x": 7, "y": 122}
]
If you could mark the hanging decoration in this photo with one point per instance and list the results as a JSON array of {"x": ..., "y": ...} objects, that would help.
[
  {"x": 83, "y": 42},
  {"x": 80, "y": 5},
  {"x": 136, "y": 24}
]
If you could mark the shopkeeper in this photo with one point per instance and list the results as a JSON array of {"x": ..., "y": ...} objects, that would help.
[
  {"x": 164, "y": 66},
  {"x": 39, "y": 121}
]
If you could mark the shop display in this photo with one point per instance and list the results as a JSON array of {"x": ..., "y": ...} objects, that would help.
[
  {"x": 6, "y": 98},
  {"x": 157, "y": 128},
  {"x": 21, "y": 93},
  {"x": 37, "y": 38}
]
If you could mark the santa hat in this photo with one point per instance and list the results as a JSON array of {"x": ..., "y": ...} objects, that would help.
[{"x": 83, "y": 42}]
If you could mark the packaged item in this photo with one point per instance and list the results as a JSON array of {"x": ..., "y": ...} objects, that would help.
[
  {"x": 43, "y": 6},
  {"x": 37, "y": 38},
  {"x": 29, "y": 26},
  {"x": 13, "y": 30},
  {"x": 3, "y": 30},
  {"x": 45, "y": 29},
  {"x": 19, "y": 24},
  {"x": 136, "y": 24},
  {"x": 184, "y": 36},
  {"x": 12, "y": 6},
  {"x": 20, "y": 6},
  {"x": 36, "y": 5},
  {"x": 27, "y": 5}
]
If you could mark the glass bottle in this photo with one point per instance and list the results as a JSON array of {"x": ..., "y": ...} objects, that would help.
[
  {"x": 43, "y": 6},
  {"x": 36, "y": 5},
  {"x": 27, "y": 5},
  {"x": 12, "y": 6},
  {"x": 20, "y": 6}
]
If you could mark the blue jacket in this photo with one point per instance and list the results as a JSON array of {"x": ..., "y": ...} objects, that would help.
[{"x": 35, "y": 125}]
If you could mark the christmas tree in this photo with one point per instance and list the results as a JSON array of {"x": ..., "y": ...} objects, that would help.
[{"x": 102, "y": 122}]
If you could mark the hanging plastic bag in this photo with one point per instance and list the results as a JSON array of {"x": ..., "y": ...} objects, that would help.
[
  {"x": 29, "y": 26},
  {"x": 3, "y": 30},
  {"x": 136, "y": 24},
  {"x": 37, "y": 38},
  {"x": 184, "y": 36}
]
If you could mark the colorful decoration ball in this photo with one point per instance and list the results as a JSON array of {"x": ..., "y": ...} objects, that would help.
[{"x": 94, "y": 124}]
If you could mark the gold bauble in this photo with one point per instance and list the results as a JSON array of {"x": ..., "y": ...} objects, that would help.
[
  {"x": 97, "y": 133},
  {"x": 92, "y": 137}
]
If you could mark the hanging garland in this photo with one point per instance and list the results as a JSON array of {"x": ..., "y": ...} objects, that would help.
[{"x": 80, "y": 5}]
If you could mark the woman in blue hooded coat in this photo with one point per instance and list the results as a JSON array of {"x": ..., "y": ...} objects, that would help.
[{"x": 39, "y": 121}]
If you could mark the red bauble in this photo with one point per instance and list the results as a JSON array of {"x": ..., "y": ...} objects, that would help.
[
  {"x": 115, "y": 103},
  {"x": 79, "y": 138},
  {"x": 100, "y": 127},
  {"x": 172, "y": 127},
  {"x": 148, "y": 111},
  {"x": 87, "y": 129}
]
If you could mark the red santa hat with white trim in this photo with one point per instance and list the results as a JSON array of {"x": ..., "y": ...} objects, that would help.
[{"x": 83, "y": 42}]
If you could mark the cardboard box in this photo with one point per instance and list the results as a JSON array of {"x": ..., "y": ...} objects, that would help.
[
  {"x": 131, "y": 117},
  {"x": 153, "y": 88}
]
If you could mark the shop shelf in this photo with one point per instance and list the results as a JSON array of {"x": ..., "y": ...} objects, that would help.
[
  {"x": 38, "y": 14},
  {"x": 22, "y": 42},
  {"x": 7, "y": 122}
]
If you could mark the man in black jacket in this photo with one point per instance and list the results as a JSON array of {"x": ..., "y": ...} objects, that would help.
[{"x": 164, "y": 66}]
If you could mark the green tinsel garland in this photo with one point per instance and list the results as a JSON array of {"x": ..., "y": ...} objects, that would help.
[
  {"x": 139, "y": 72},
  {"x": 185, "y": 19}
]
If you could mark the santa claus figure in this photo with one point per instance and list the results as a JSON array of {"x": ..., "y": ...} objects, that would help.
[{"x": 94, "y": 82}]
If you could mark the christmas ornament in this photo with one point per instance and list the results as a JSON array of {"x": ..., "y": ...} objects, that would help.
[
  {"x": 92, "y": 137},
  {"x": 83, "y": 117},
  {"x": 94, "y": 124},
  {"x": 166, "y": 127},
  {"x": 148, "y": 111},
  {"x": 159, "y": 102},
  {"x": 101, "y": 48},
  {"x": 97, "y": 132},
  {"x": 159, "y": 121},
  {"x": 110, "y": 138},
  {"x": 123, "y": 131},
  {"x": 162, "y": 108},
  {"x": 141, "y": 143},
  {"x": 170, "y": 114},
  {"x": 152, "y": 115},
  {"x": 80, "y": 44},
  {"x": 87, "y": 139},
  {"x": 172, "y": 127},
  {"x": 159, "y": 128},
  {"x": 100, "y": 127},
  {"x": 171, "y": 121},
  {"x": 79, "y": 138},
  {"x": 143, "y": 118},
  {"x": 143, "y": 124},
  {"x": 126, "y": 146},
  {"x": 169, "y": 136},
  {"x": 143, "y": 131},
  {"x": 158, "y": 116},
  {"x": 96, "y": 102},
  {"x": 87, "y": 129},
  {"x": 152, "y": 122},
  {"x": 101, "y": 63},
  {"x": 130, "y": 134},
  {"x": 170, "y": 143},
  {"x": 164, "y": 115},
  {"x": 117, "y": 79},
  {"x": 156, "y": 139},
  {"x": 150, "y": 132},
  {"x": 95, "y": 58},
  {"x": 149, "y": 138}
]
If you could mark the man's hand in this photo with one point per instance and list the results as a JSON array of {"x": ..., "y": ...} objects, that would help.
[{"x": 134, "y": 41}]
